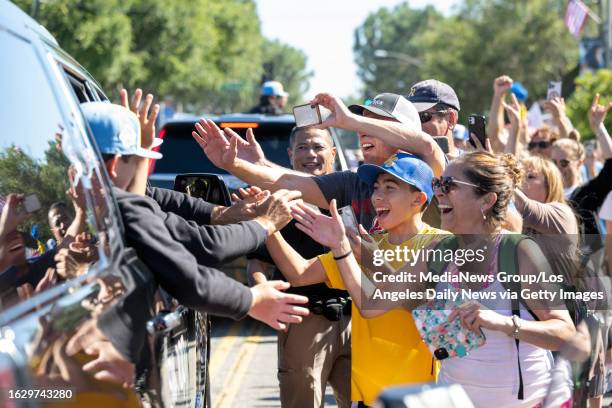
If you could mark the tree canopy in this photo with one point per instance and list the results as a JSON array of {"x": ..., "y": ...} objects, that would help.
[
  {"x": 206, "y": 54},
  {"x": 481, "y": 40}
]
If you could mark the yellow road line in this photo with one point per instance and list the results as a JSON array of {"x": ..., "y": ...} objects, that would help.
[
  {"x": 231, "y": 385},
  {"x": 222, "y": 350}
]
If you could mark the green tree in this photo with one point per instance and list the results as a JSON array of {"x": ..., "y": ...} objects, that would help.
[
  {"x": 525, "y": 39},
  {"x": 395, "y": 31},
  {"x": 578, "y": 104},
  {"x": 207, "y": 54},
  {"x": 19, "y": 171},
  {"x": 286, "y": 64}
]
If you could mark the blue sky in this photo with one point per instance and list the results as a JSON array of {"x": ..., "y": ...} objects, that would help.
[{"x": 323, "y": 29}]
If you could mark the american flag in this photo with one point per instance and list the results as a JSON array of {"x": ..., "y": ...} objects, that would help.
[{"x": 575, "y": 16}]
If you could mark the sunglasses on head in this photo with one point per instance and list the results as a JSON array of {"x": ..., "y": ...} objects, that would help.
[
  {"x": 427, "y": 116},
  {"x": 446, "y": 183},
  {"x": 563, "y": 163},
  {"x": 543, "y": 144}
]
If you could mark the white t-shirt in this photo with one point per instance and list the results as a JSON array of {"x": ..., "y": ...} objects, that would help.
[{"x": 605, "y": 212}]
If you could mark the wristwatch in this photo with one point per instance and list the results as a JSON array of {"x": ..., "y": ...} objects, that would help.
[{"x": 516, "y": 321}]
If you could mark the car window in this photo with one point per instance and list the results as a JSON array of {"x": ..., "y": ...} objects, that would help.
[{"x": 52, "y": 225}]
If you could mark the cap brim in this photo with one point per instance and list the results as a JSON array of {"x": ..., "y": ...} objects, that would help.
[
  {"x": 423, "y": 106},
  {"x": 157, "y": 142},
  {"x": 368, "y": 173},
  {"x": 150, "y": 154},
  {"x": 358, "y": 109}
]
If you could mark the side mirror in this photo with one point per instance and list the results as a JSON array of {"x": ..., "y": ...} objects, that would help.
[{"x": 209, "y": 187}]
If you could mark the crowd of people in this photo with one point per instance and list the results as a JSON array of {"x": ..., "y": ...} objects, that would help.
[
  {"x": 529, "y": 193},
  {"x": 536, "y": 199}
]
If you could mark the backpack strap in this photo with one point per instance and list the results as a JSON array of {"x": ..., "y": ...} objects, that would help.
[
  {"x": 437, "y": 266},
  {"x": 508, "y": 262}
]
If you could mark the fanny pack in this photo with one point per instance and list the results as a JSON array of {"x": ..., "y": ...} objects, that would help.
[{"x": 332, "y": 308}]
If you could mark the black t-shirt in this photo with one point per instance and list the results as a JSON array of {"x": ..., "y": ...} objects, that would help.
[
  {"x": 307, "y": 248},
  {"x": 348, "y": 189}
]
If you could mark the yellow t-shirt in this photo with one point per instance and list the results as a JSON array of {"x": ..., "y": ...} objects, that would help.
[{"x": 386, "y": 350}]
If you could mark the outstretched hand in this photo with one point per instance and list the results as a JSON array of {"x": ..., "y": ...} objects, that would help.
[
  {"x": 249, "y": 149},
  {"x": 215, "y": 144},
  {"x": 146, "y": 119},
  {"x": 275, "y": 308},
  {"x": 327, "y": 231}
]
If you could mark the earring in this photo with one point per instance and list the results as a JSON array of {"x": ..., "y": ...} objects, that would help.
[{"x": 484, "y": 217}]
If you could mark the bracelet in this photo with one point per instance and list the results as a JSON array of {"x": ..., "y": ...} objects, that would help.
[{"x": 337, "y": 258}]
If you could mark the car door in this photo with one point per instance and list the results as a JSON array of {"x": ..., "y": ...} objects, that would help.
[{"x": 59, "y": 245}]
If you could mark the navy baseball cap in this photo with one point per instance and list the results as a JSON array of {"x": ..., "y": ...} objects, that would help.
[
  {"x": 406, "y": 167},
  {"x": 391, "y": 105},
  {"x": 116, "y": 129},
  {"x": 427, "y": 94}
]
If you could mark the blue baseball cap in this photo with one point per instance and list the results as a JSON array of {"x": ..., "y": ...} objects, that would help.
[
  {"x": 406, "y": 167},
  {"x": 273, "y": 88},
  {"x": 116, "y": 129}
]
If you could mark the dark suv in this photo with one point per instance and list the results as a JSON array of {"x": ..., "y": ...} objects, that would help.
[{"x": 183, "y": 155}]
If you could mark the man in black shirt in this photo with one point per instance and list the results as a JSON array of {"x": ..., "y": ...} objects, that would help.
[
  {"x": 318, "y": 350},
  {"x": 162, "y": 240}
]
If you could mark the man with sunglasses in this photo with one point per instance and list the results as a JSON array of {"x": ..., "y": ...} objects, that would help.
[{"x": 438, "y": 108}]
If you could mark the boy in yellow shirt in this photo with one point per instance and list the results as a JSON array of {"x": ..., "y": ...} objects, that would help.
[{"x": 386, "y": 350}]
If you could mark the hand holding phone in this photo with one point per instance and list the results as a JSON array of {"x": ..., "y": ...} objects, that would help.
[{"x": 477, "y": 126}]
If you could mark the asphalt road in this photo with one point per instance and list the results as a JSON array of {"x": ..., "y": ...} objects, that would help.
[{"x": 243, "y": 366}]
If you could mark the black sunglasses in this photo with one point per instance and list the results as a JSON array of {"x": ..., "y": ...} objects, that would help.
[
  {"x": 543, "y": 144},
  {"x": 426, "y": 116},
  {"x": 563, "y": 163},
  {"x": 446, "y": 183}
]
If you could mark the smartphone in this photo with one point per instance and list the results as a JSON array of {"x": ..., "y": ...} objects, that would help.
[
  {"x": 348, "y": 218},
  {"x": 31, "y": 203},
  {"x": 307, "y": 115},
  {"x": 554, "y": 90},
  {"x": 442, "y": 141},
  {"x": 477, "y": 126}
]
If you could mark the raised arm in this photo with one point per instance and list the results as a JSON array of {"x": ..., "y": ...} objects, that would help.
[
  {"x": 518, "y": 127},
  {"x": 224, "y": 150},
  {"x": 402, "y": 136},
  {"x": 496, "y": 113},
  {"x": 597, "y": 116},
  {"x": 297, "y": 270},
  {"x": 330, "y": 231}
]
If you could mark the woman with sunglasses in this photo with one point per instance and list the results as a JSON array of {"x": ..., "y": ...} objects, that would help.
[
  {"x": 568, "y": 155},
  {"x": 541, "y": 142},
  {"x": 473, "y": 194}
]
